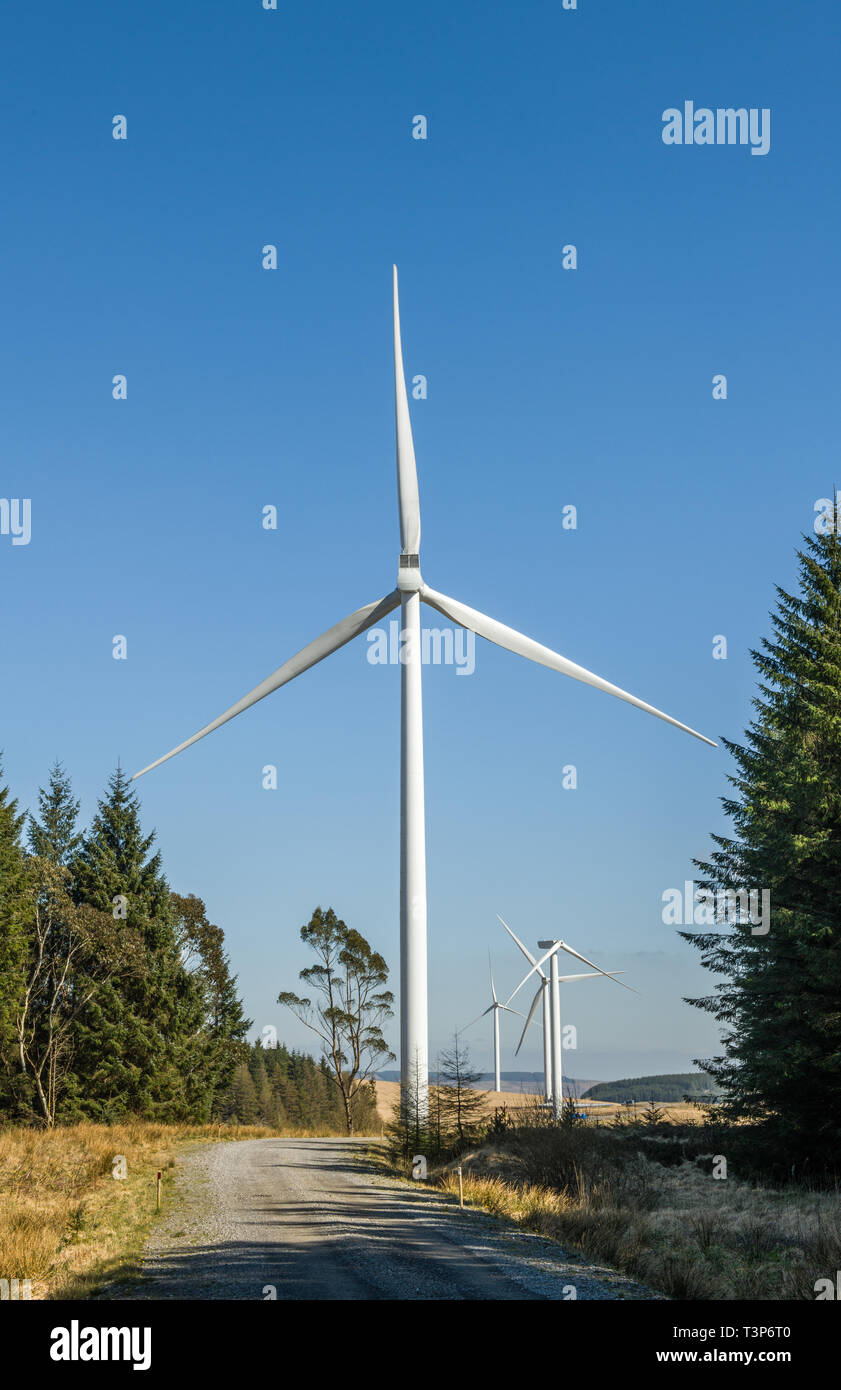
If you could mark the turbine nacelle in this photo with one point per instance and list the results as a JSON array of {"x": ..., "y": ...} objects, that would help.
[{"x": 409, "y": 576}]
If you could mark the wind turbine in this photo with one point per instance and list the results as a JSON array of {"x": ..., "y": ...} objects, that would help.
[
  {"x": 543, "y": 994},
  {"x": 551, "y": 950},
  {"x": 408, "y": 594},
  {"x": 494, "y": 1006}
]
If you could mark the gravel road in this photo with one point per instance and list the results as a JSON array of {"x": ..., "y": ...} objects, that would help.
[{"x": 310, "y": 1219}]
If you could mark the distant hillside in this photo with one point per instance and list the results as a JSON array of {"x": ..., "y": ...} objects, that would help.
[
  {"x": 524, "y": 1082},
  {"x": 671, "y": 1087}
]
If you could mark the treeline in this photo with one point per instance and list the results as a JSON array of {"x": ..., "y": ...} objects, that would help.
[
  {"x": 669, "y": 1087},
  {"x": 116, "y": 994},
  {"x": 290, "y": 1090}
]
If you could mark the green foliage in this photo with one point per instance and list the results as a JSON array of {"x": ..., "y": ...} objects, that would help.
[
  {"x": 351, "y": 1004},
  {"x": 105, "y": 1014},
  {"x": 460, "y": 1103},
  {"x": 669, "y": 1087},
  {"x": 287, "y": 1089},
  {"x": 778, "y": 994},
  {"x": 54, "y": 837}
]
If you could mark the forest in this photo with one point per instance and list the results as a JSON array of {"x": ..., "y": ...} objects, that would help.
[{"x": 117, "y": 997}]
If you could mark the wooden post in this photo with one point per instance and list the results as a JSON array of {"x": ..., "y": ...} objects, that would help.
[
  {"x": 158, "y": 1191},
  {"x": 460, "y": 1188}
]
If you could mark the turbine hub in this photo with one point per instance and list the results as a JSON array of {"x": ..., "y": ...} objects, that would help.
[{"x": 408, "y": 574}]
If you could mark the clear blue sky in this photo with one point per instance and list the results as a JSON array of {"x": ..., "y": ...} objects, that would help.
[{"x": 546, "y": 387}]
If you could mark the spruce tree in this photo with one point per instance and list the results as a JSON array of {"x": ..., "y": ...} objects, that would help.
[
  {"x": 130, "y": 1044},
  {"x": 116, "y": 857},
  {"x": 460, "y": 1105},
  {"x": 245, "y": 1106},
  {"x": 779, "y": 1000},
  {"x": 210, "y": 1052},
  {"x": 54, "y": 836}
]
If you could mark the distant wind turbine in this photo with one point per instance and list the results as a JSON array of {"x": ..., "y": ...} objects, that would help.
[
  {"x": 407, "y": 595},
  {"x": 495, "y": 1006},
  {"x": 543, "y": 994},
  {"x": 551, "y": 950}
]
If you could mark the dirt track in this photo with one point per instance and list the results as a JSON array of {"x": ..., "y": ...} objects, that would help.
[{"x": 308, "y": 1219}]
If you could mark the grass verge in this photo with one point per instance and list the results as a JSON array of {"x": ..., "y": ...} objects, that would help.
[
  {"x": 671, "y": 1225},
  {"x": 66, "y": 1223}
]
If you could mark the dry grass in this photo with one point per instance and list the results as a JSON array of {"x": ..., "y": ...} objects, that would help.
[
  {"x": 598, "y": 1112},
  {"x": 677, "y": 1229},
  {"x": 388, "y": 1094},
  {"x": 65, "y": 1222}
]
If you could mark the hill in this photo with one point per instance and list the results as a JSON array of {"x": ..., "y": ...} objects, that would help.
[
  {"x": 514, "y": 1082},
  {"x": 669, "y": 1087}
]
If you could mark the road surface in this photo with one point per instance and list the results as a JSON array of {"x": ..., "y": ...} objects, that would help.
[{"x": 311, "y": 1219}]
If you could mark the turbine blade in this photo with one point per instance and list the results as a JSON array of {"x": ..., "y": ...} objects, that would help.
[
  {"x": 310, "y": 655},
  {"x": 589, "y": 975},
  {"x": 611, "y": 974},
  {"x": 515, "y": 642},
  {"x": 493, "y": 990},
  {"x": 537, "y": 967},
  {"x": 407, "y": 473},
  {"x": 525, "y": 950},
  {"x": 534, "y": 1003},
  {"x": 475, "y": 1020}
]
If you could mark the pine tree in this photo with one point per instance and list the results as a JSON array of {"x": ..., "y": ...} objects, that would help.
[
  {"x": 116, "y": 857},
  {"x": 780, "y": 997},
  {"x": 210, "y": 1053},
  {"x": 244, "y": 1096},
  {"x": 459, "y": 1104},
  {"x": 54, "y": 836},
  {"x": 130, "y": 1043}
]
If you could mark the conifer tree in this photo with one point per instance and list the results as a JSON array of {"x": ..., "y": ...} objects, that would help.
[
  {"x": 778, "y": 1000},
  {"x": 244, "y": 1096},
  {"x": 460, "y": 1105},
  {"x": 116, "y": 857},
  {"x": 130, "y": 1042},
  {"x": 210, "y": 1053},
  {"x": 54, "y": 836}
]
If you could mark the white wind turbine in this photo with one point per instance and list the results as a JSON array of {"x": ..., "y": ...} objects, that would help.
[
  {"x": 408, "y": 594},
  {"x": 543, "y": 995},
  {"x": 551, "y": 990},
  {"x": 495, "y": 1006}
]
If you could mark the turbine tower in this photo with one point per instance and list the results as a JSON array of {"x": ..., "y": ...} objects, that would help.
[
  {"x": 407, "y": 595},
  {"x": 551, "y": 949},
  {"x": 494, "y": 1006},
  {"x": 543, "y": 996}
]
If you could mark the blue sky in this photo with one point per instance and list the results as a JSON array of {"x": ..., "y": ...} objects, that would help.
[{"x": 546, "y": 387}]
